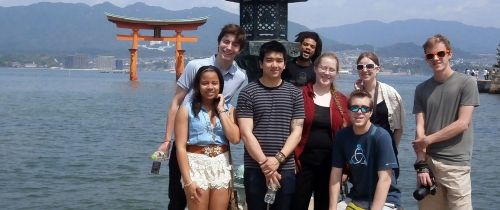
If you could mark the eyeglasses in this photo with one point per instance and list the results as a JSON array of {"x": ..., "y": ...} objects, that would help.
[
  {"x": 440, "y": 54},
  {"x": 356, "y": 108},
  {"x": 369, "y": 66},
  {"x": 326, "y": 69}
]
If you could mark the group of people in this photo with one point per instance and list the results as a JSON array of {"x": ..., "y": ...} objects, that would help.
[
  {"x": 475, "y": 73},
  {"x": 303, "y": 137}
]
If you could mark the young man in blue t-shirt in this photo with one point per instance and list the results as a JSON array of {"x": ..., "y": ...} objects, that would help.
[{"x": 367, "y": 149}]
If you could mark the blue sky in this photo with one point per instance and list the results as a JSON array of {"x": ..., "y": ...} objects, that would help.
[{"x": 321, "y": 13}]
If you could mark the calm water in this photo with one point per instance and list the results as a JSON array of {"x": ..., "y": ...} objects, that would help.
[{"x": 82, "y": 140}]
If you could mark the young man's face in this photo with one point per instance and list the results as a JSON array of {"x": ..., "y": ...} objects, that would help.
[
  {"x": 273, "y": 65},
  {"x": 307, "y": 48},
  {"x": 360, "y": 117},
  {"x": 436, "y": 62},
  {"x": 228, "y": 47}
]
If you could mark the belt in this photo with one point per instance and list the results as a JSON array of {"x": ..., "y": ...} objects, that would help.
[{"x": 210, "y": 150}]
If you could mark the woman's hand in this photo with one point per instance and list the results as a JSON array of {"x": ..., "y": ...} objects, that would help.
[
  {"x": 193, "y": 192},
  {"x": 220, "y": 104},
  {"x": 358, "y": 84}
]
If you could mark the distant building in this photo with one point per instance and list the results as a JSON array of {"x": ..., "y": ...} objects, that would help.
[
  {"x": 105, "y": 62},
  {"x": 76, "y": 62},
  {"x": 119, "y": 64}
]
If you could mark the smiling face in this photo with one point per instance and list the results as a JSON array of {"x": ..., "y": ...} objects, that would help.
[
  {"x": 229, "y": 48},
  {"x": 326, "y": 70},
  {"x": 358, "y": 118},
  {"x": 307, "y": 48},
  {"x": 437, "y": 63},
  {"x": 368, "y": 74},
  {"x": 209, "y": 85},
  {"x": 272, "y": 65}
]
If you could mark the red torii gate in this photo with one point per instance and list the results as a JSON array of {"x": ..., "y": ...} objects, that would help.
[{"x": 136, "y": 24}]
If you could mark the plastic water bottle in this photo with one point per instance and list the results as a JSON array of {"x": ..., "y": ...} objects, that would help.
[
  {"x": 157, "y": 158},
  {"x": 270, "y": 194}
]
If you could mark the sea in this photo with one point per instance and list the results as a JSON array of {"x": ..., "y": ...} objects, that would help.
[{"x": 73, "y": 139}]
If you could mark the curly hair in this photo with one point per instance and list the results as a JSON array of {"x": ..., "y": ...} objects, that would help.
[{"x": 300, "y": 37}]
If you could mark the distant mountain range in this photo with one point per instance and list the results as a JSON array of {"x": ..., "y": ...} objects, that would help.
[{"x": 65, "y": 28}]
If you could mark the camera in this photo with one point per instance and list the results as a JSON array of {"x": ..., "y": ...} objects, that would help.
[{"x": 423, "y": 191}]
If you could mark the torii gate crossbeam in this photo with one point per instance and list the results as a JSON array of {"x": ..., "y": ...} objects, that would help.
[{"x": 136, "y": 24}]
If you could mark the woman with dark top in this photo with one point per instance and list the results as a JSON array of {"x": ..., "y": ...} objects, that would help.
[
  {"x": 326, "y": 113},
  {"x": 388, "y": 106},
  {"x": 204, "y": 127}
]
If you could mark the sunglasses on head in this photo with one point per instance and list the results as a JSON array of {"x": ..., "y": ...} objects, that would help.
[
  {"x": 440, "y": 54},
  {"x": 356, "y": 108},
  {"x": 368, "y": 66}
]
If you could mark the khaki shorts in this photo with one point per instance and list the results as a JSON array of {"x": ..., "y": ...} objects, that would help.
[{"x": 453, "y": 187}]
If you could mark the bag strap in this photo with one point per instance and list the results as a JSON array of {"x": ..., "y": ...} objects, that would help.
[{"x": 231, "y": 182}]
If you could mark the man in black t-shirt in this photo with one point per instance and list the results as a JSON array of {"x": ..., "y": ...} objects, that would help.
[{"x": 300, "y": 71}]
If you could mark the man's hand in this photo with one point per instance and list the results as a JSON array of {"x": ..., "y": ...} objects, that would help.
[
  {"x": 164, "y": 146},
  {"x": 424, "y": 179},
  {"x": 274, "y": 179},
  {"x": 421, "y": 144},
  {"x": 269, "y": 166}
]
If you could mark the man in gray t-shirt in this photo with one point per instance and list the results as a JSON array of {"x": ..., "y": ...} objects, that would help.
[{"x": 443, "y": 109}]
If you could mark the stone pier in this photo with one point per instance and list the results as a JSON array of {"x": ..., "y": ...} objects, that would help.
[{"x": 495, "y": 82}]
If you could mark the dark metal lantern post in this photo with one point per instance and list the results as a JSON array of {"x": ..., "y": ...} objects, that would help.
[{"x": 263, "y": 20}]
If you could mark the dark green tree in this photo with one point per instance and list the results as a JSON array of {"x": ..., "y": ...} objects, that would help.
[{"x": 498, "y": 57}]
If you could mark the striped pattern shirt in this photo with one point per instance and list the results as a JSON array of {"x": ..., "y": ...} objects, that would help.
[{"x": 272, "y": 111}]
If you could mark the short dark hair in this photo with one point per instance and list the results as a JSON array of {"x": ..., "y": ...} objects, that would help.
[
  {"x": 360, "y": 94},
  {"x": 300, "y": 37},
  {"x": 271, "y": 46},
  {"x": 196, "y": 98},
  {"x": 237, "y": 31}
]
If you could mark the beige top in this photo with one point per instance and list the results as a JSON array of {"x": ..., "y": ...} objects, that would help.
[{"x": 394, "y": 104}]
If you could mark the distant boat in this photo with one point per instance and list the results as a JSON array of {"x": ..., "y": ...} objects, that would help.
[{"x": 344, "y": 71}]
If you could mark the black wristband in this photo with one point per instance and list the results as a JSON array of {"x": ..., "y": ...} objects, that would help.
[{"x": 421, "y": 167}]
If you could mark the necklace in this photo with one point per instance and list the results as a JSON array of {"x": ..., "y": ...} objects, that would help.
[{"x": 209, "y": 127}]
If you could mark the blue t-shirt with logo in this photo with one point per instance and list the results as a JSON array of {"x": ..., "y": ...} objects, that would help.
[{"x": 366, "y": 154}]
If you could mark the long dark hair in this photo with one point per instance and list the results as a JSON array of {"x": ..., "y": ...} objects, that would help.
[{"x": 196, "y": 98}]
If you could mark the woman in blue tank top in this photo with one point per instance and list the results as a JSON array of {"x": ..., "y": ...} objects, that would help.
[{"x": 204, "y": 127}]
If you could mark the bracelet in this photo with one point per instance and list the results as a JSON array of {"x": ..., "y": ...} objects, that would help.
[
  {"x": 188, "y": 184},
  {"x": 280, "y": 157},
  {"x": 222, "y": 111}
]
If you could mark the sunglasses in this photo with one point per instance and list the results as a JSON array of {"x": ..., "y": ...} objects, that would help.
[
  {"x": 440, "y": 54},
  {"x": 356, "y": 108},
  {"x": 369, "y": 66}
]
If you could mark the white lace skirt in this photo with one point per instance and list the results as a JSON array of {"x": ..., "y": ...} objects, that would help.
[{"x": 209, "y": 172}]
